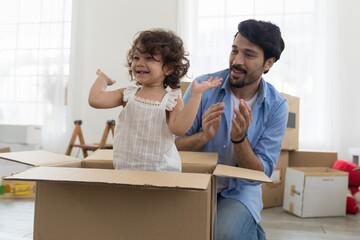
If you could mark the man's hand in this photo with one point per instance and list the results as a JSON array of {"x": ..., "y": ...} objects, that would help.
[
  {"x": 241, "y": 122},
  {"x": 211, "y": 120}
]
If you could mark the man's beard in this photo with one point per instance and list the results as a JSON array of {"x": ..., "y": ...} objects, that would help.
[{"x": 248, "y": 79}]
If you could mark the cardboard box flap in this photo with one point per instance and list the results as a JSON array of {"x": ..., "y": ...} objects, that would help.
[
  {"x": 207, "y": 158},
  {"x": 118, "y": 177},
  {"x": 200, "y": 162},
  {"x": 320, "y": 171},
  {"x": 101, "y": 158},
  {"x": 241, "y": 173},
  {"x": 193, "y": 162},
  {"x": 101, "y": 154},
  {"x": 38, "y": 158}
]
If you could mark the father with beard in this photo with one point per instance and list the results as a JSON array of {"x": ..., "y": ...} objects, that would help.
[{"x": 244, "y": 121}]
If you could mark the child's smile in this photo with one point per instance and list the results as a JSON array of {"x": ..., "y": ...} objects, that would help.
[
  {"x": 148, "y": 69},
  {"x": 141, "y": 72}
]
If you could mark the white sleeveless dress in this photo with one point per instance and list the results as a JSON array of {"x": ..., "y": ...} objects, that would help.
[{"x": 143, "y": 140}]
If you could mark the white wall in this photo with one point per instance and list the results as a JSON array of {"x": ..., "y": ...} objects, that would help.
[
  {"x": 101, "y": 35},
  {"x": 348, "y": 79}
]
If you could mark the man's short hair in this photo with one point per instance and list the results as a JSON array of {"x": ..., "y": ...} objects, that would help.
[{"x": 264, "y": 34}]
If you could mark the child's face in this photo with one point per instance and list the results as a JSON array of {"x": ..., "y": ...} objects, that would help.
[{"x": 148, "y": 70}]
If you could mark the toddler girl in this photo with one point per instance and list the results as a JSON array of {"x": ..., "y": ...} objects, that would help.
[{"x": 151, "y": 115}]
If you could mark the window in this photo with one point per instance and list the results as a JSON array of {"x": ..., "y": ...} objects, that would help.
[
  {"x": 34, "y": 63},
  {"x": 305, "y": 68}
]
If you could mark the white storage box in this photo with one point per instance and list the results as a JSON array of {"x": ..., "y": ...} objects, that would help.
[
  {"x": 315, "y": 191},
  {"x": 20, "y": 134}
]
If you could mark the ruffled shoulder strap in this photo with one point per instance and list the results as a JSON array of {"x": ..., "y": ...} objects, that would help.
[
  {"x": 129, "y": 92},
  {"x": 170, "y": 99}
]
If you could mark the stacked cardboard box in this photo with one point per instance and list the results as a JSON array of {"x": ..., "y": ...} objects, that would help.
[
  {"x": 273, "y": 193},
  {"x": 281, "y": 191},
  {"x": 291, "y": 138}
]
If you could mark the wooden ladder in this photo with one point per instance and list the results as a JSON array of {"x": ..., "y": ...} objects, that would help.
[{"x": 110, "y": 125}]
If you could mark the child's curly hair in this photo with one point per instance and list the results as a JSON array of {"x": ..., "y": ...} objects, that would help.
[{"x": 169, "y": 46}]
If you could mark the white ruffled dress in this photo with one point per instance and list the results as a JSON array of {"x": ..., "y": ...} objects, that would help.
[{"x": 143, "y": 140}]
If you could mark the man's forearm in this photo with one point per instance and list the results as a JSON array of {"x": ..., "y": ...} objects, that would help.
[
  {"x": 191, "y": 143},
  {"x": 246, "y": 157}
]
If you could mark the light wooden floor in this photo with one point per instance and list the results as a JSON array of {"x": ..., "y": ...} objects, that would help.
[
  {"x": 280, "y": 225},
  {"x": 16, "y": 223}
]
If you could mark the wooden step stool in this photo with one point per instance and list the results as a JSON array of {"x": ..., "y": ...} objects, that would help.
[{"x": 110, "y": 125}]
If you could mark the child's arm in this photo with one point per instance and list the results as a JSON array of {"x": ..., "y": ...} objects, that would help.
[
  {"x": 100, "y": 98},
  {"x": 182, "y": 117}
]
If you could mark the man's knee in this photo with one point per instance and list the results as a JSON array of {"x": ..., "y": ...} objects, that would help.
[{"x": 234, "y": 220}]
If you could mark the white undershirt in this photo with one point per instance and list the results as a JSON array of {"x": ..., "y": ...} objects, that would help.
[{"x": 222, "y": 182}]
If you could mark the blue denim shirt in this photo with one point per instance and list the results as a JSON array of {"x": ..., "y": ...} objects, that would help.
[{"x": 265, "y": 134}]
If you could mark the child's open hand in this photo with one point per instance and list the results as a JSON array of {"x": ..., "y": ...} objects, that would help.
[
  {"x": 103, "y": 76},
  {"x": 199, "y": 88}
]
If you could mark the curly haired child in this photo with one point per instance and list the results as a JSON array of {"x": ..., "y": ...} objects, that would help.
[{"x": 151, "y": 115}]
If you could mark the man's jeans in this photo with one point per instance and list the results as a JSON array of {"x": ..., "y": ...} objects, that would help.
[{"x": 234, "y": 221}]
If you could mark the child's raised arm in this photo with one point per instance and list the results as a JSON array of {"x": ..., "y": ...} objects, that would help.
[
  {"x": 99, "y": 97},
  {"x": 182, "y": 117}
]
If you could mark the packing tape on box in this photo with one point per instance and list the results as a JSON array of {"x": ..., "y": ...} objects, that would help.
[
  {"x": 291, "y": 207},
  {"x": 293, "y": 191}
]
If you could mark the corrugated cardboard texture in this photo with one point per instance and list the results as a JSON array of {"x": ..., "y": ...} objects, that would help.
[
  {"x": 116, "y": 177},
  {"x": 312, "y": 159},
  {"x": 213, "y": 206},
  {"x": 243, "y": 173},
  {"x": 102, "y": 164},
  {"x": 273, "y": 193},
  {"x": 101, "y": 154},
  {"x": 93, "y": 212},
  {"x": 101, "y": 158},
  {"x": 38, "y": 158},
  {"x": 291, "y": 138},
  {"x": 196, "y": 162},
  {"x": 192, "y": 162}
]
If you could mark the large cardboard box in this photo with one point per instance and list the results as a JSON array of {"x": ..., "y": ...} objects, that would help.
[
  {"x": 291, "y": 138},
  {"x": 88, "y": 199},
  {"x": 312, "y": 159},
  {"x": 315, "y": 192},
  {"x": 273, "y": 193}
]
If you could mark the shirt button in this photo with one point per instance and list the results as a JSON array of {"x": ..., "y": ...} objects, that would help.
[{"x": 224, "y": 146}]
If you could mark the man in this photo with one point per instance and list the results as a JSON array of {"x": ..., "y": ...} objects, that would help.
[{"x": 244, "y": 121}]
